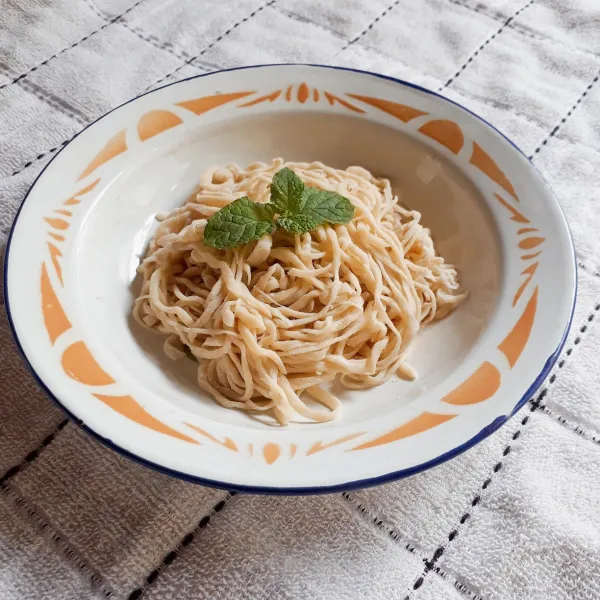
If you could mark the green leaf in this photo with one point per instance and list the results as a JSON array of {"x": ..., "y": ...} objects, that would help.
[
  {"x": 286, "y": 191},
  {"x": 238, "y": 223},
  {"x": 300, "y": 223},
  {"x": 301, "y": 209},
  {"x": 326, "y": 207}
]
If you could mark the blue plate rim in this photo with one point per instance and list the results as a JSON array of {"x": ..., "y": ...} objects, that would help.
[{"x": 309, "y": 490}]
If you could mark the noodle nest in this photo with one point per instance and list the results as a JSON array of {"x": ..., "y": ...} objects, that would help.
[{"x": 275, "y": 321}]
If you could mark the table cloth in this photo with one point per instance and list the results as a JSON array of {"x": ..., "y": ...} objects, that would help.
[{"x": 516, "y": 517}]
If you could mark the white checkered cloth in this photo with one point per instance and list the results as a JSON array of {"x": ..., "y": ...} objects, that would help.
[{"x": 517, "y": 517}]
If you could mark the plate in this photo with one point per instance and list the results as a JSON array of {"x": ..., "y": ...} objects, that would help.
[{"x": 71, "y": 275}]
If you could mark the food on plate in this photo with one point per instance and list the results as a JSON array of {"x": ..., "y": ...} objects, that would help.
[{"x": 280, "y": 278}]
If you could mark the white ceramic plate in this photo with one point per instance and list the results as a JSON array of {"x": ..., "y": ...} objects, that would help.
[{"x": 70, "y": 275}]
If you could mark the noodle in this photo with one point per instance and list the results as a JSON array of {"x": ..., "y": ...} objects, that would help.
[{"x": 272, "y": 321}]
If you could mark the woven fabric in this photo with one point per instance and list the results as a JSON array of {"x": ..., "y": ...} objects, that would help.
[{"x": 515, "y": 517}]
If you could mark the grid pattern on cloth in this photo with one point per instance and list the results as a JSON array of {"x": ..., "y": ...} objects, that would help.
[{"x": 515, "y": 517}]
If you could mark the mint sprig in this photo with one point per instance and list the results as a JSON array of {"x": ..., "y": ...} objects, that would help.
[
  {"x": 286, "y": 191},
  {"x": 326, "y": 207},
  {"x": 298, "y": 223},
  {"x": 293, "y": 207},
  {"x": 238, "y": 223}
]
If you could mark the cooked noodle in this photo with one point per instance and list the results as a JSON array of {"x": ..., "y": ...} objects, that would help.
[{"x": 272, "y": 321}]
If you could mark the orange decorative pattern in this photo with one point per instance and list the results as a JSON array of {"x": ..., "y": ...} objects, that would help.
[
  {"x": 516, "y": 215},
  {"x": 79, "y": 364},
  {"x": 151, "y": 124},
  {"x": 335, "y": 99},
  {"x": 485, "y": 163},
  {"x": 530, "y": 243},
  {"x": 319, "y": 446},
  {"x": 75, "y": 198},
  {"x": 302, "y": 95},
  {"x": 130, "y": 408},
  {"x": 115, "y": 146},
  {"x": 155, "y": 122},
  {"x": 269, "y": 97},
  {"x": 529, "y": 273},
  {"x": 447, "y": 133},
  {"x": 55, "y": 319},
  {"x": 57, "y": 223},
  {"x": 514, "y": 343},
  {"x": 271, "y": 453},
  {"x": 526, "y": 230},
  {"x": 202, "y": 105},
  {"x": 226, "y": 443},
  {"x": 54, "y": 254},
  {"x": 417, "y": 425},
  {"x": 530, "y": 256},
  {"x": 400, "y": 111},
  {"x": 62, "y": 225},
  {"x": 480, "y": 386}
]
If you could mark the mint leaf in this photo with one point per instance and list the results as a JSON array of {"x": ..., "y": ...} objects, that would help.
[
  {"x": 238, "y": 223},
  {"x": 300, "y": 209},
  {"x": 317, "y": 207},
  {"x": 286, "y": 191},
  {"x": 326, "y": 207},
  {"x": 300, "y": 223}
]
